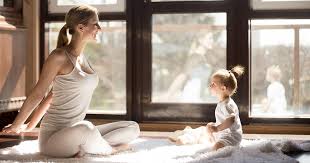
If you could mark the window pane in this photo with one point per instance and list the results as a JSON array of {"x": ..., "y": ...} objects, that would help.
[
  {"x": 108, "y": 58},
  {"x": 280, "y": 4},
  {"x": 186, "y": 50},
  {"x": 305, "y": 70},
  {"x": 63, "y": 6},
  {"x": 280, "y": 53},
  {"x": 1, "y": 2}
]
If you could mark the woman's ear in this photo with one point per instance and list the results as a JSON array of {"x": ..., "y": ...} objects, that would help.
[{"x": 80, "y": 27}]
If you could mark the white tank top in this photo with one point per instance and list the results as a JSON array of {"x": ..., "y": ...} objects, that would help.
[{"x": 72, "y": 94}]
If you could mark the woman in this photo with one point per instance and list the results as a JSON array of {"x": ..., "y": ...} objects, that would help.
[{"x": 63, "y": 132}]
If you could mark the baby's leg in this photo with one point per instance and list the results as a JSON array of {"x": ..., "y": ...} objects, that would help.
[
  {"x": 83, "y": 137},
  {"x": 193, "y": 136},
  {"x": 218, "y": 145},
  {"x": 118, "y": 133},
  {"x": 227, "y": 140}
]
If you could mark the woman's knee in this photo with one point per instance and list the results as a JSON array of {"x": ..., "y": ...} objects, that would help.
[
  {"x": 82, "y": 129},
  {"x": 66, "y": 142},
  {"x": 128, "y": 131},
  {"x": 134, "y": 126},
  {"x": 84, "y": 125}
]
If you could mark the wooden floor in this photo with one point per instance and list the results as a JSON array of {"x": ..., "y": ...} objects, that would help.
[{"x": 8, "y": 140}]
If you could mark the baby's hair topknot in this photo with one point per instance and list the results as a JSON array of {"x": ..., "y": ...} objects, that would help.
[{"x": 237, "y": 70}]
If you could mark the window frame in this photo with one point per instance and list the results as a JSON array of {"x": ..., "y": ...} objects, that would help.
[
  {"x": 178, "y": 112},
  {"x": 47, "y": 17},
  {"x": 275, "y": 14},
  {"x": 138, "y": 16}
]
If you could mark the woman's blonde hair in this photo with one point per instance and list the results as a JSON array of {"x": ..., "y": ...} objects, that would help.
[
  {"x": 229, "y": 78},
  {"x": 76, "y": 15}
]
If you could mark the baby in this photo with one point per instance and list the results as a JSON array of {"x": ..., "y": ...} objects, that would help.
[{"x": 227, "y": 131}]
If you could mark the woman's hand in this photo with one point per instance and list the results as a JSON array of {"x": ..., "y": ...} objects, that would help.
[
  {"x": 27, "y": 127},
  {"x": 15, "y": 129}
]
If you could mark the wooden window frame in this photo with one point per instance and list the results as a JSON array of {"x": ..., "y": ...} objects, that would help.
[
  {"x": 47, "y": 17},
  {"x": 138, "y": 14},
  {"x": 179, "y": 112},
  {"x": 280, "y": 14}
]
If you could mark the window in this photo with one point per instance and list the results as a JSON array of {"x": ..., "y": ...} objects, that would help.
[
  {"x": 183, "y": 44},
  {"x": 62, "y": 6},
  {"x": 155, "y": 62},
  {"x": 280, "y": 68},
  {"x": 280, "y": 4},
  {"x": 108, "y": 58},
  {"x": 186, "y": 50}
]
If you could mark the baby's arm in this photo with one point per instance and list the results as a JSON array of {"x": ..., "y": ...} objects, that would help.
[
  {"x": 226, "y": 124},
  {"x": 229, "y": 112}
]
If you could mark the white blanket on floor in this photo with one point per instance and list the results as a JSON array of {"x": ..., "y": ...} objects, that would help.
[{"x": 162, "y": 150}]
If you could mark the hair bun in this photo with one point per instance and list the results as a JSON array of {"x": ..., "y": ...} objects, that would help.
[{"x": 237, "y": 71}]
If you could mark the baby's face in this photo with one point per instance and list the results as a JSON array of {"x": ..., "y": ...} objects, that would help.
[{"x": 215, "y": 86}]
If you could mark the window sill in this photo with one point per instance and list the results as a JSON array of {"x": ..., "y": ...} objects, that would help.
[{"x": 296, "y": 129}]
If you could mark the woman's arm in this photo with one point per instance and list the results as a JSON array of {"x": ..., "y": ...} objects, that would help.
[
  {"x": 39, "y": 112},
  {"x": 50, "y": 69}
]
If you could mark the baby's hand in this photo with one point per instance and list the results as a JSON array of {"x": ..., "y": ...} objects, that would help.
[
  {"x": 211, "y": 127},
  {"x": 210, "y": 124}
]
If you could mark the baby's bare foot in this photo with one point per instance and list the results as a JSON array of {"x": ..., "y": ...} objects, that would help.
[{"x": 179, "y": 142}]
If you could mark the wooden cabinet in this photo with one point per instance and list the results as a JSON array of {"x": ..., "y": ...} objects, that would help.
[{"x": 13, "y": 44}]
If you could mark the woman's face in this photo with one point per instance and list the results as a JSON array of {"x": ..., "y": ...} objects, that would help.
[{"x": 92, "y": 28}]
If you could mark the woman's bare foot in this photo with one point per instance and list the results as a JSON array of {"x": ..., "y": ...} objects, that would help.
[
  {"x": 80, "y": 154},
  {"x": 121, "y": 148}
]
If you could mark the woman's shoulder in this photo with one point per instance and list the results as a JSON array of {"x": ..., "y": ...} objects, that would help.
[{"x": 58, "y": 55}]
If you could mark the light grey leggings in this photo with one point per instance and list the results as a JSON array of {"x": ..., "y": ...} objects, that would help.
[{"x": 85, "y": 137}]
